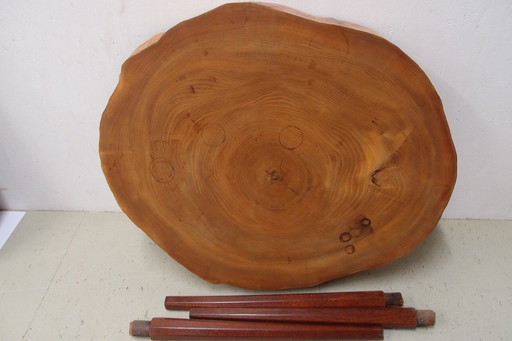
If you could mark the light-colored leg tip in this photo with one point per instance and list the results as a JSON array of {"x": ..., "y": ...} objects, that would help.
[
  {"x": 140, "y": 328},
  {"x": 425, "y": 318}
]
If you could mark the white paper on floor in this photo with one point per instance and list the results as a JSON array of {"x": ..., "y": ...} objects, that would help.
[{"x": 8, "y": 222}]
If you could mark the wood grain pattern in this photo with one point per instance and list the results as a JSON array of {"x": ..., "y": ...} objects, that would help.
[
  {"x": 270, "y": 151},
  {"x": 184, "y": 329},
  {"x": 325, "y": 300},
  {"x": 385, "y": 317}
]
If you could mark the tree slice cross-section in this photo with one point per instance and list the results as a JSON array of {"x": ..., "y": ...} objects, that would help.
[{"x": 269, "y": 150}]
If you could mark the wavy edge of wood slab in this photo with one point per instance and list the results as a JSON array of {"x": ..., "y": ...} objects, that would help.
[{"x": 305, "y": 282}]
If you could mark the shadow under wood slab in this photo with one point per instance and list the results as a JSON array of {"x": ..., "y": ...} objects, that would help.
[{"x": 268, "y": 150}]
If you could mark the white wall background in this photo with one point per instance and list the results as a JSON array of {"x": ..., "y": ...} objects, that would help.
[{"x": 60, "y": 61}]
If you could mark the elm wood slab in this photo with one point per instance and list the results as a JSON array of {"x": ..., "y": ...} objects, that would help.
[{"x": 268, "y": 150}]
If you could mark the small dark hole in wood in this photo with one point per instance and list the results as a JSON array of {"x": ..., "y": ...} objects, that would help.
[
  {"x": 366, "y": 222},
  {"x": 350, "y": 249},
  {"x": 345, "y": 237}
]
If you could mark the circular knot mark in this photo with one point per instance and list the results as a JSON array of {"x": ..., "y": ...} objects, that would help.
[
  {"x": 291, "y": 137},
  {"x": 158, "y": 149},
  {"x": 350, "y": 249},
  {"x": 161, "y": 170},
  {"x": 366, "y": 222},
  {"x": 345, "y": 237},
  {"x": 213, "y": 135}
]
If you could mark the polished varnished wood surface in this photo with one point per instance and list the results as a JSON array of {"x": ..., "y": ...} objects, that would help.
[
  {"x": 189, "y": 329},
  {"x": 294, "y": 301},
  {"x": 266, "y": 150}
]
